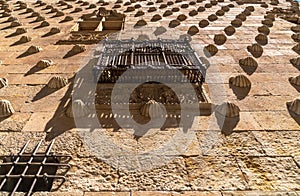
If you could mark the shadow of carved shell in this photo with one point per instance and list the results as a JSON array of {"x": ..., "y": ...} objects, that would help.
[
  {"x": 240, "y": 81},
  {"x": 256, "y": 50},
  {"x": 6, "y": 108},
  {"x": 261, "y": 39},
  {"x": 295, "y": 106},
  {"x": 33, "y": 49},
  {"x": 3, "y": 82},
  {"x": 220, "y": 39},
  {"x": 152, "y": 109},
  {"x": 295, "y": 80},
  {"x": 57, "y": 82},
  {"x": 248, "y": 61},
  {"x": 77, "y": 108},
  {"x": 228, "y": 109}
]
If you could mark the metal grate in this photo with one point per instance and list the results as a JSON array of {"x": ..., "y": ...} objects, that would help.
[
  {"x": 157, "y": 56},
  {"x": 32, "y": 172}
]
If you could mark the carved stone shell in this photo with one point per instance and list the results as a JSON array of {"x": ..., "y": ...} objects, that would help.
[
  {"x": 130, "y": 9},
  {"x": 242, "y": 17},
  {"x": 174, "y": 23},
  {"x": 139, "y": 13},
  {"x": 25, "y": 39},
  {"x": 34, "y": 49},
  {"x": 270, "y": 16},
  {"x": 3, "y": 82},
  {"x": 6, "y": 108},
  {"x": 59, "y": 13},
  {"x": 45, "y": 24},
  {"x": 264, "y": 29},
  {"x": 152, "y": 9},
  {"x": 296, "y": 37},
  {"x": 11, "y": 19},
  {"x": 193, "y": 13},
  {"x": 220, "y": 12},
  {"x": 267, "y": 22},
  {"x": 15, "y": 24},
  {"x": 248, "y": 61},
  {"x": 296, "y": 48},
  {"x": 156, "y": 17},
  {"x": 54, "y": 30},
  {"x": 295, "y": 80},
  {"x": 152, "y": 109},
  {"x": 296, "y": 29},
  {"x": 236, "y": 23},
  {"x": 250, "y": 8},
  {"x": 220, "y": 39},
  {"x": 141, "y": 23},
  {"x": 193, "y": 30},
  {"x": 44, "y": 63},
  {"x": 210, "y": 50},
  {"x": 212, "y": 17},
  {"x": 261, "y": 39},
  {"x": 167, "y": 13},
  {"x": 162, "y": 6},
  {"x": 295, "y": 106},
  {"x": 181, "y": 17},
  {"x": 20, "y": 31},
  {"x": 246, "y": 12},
  {"x": 40, "y": 18},
  {"x": 35, "y": 14},
  {"x": 203, "y": 23},
  {"x": 240, "y": 81},
  {"x": 78, "y": 9},
  {"x": 295, "y": 61},
  {"x": 57, "y": 82},
  {"x": 230, "y": 30},
  {"x": 78, "y": 108},
  {"x": 225, "y": 8},
  {"x": 256, "y": 50},
  {"x": 228, "y": 109},
  {"x": 68, "y": 18},
  {"x": 201, "y": 9},
  {"x": 78, "y": 49}
]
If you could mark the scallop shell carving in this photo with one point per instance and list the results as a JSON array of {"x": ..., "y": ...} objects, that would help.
[
  {"x": 77, "y": 108},
  {"x": 33, "y": 49},
  {"x": 242, "y": 17},
  {"x": 201, "y": 9},
  {"x": 230, "y": 30},
  {"x": 57, "y": 82},
  {"x": 20, "y": 31},
  {"x": 156, "y": 17},
  {"x": 11, "y": 19},
  {"x": 295, "y": 80},
  {"x": 296, "y": 29},
  {"x": 240, "y": 81},
  {"x": 15, "y": 24},
  {"x": 295, "y": 106},
  {"x": 130, "y": 9},
  {"x": 44, "y": 24},
  {"x": 248, "y": 61},
  {"x": 212, "y": 17},
  {"x": 77, "y": 49},
  {"x": 181, "y": 17},
  {"x": 40, "y": 18},
  {"x": 296, "y": 37},
  {"x": 210, "y": 50},
  {"x": 228, "y": 109},
  {"x": 59, "y": 13},
  {"x": 256, "y": 50},
  {"x": 152, "y": 109},
  {"x": 267, "y": 22},
  {"x": 264, "y": 29},
  {"x": 25, "y": 39},
  {"x": 174, "y": 23},
  {"x": 6, "y": 108},
  {"x": 44, "y": 63},
  {"x": 193, "y": 13},
  {"x": 236, "y": 23},
  {"x": 139, "y": 13},
  {"x": 68, "y": 18},
  {"x": 54, "y": 30},
  {"x": 141, "y": 23},
  {"x": 167, "y": 13},
  {"x": 220, "y": 39},
  {"x": 296, "y": 48},
  {"x": 295, "y": 62},
  {"x": 225, "y": 8},
  {"x": 261, "y": 39},
  {"x": 193, "y": 30},
  {"x": 220, "y": 12},
  {"x": 203, "y": 23},
  {"x": 3, "y": 82}
]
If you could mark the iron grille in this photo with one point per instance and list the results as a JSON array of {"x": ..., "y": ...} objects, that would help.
[{"x": 32, "y": 172}]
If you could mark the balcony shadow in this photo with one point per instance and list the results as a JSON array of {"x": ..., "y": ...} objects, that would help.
[{"x": 239, "y": 92}]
